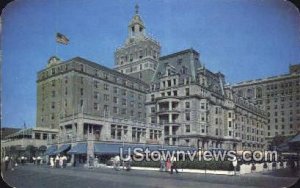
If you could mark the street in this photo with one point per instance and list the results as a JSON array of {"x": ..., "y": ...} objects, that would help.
[{"x": 30, "y": 176}]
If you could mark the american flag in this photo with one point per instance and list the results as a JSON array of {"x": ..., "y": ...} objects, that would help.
[{"x": 60, "y": 38}]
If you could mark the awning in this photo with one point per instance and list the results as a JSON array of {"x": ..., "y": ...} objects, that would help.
[
  {"x": 153, "y": 147},
  {"x": 62, "y": 148},
  {"x": 80, "y": 148},
  {"x": 50, "y": 150},
  {"x": 295, "y": 139},
  {"x": 102, "y": 148},
  {"x": 284, "y": 147}
]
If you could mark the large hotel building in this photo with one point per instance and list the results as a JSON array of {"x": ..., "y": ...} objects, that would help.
[
  {"x": 279, "y": 96},
  {"x": 156, "y": 100}
]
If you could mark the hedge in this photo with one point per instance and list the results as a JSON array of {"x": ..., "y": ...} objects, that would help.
[{"x": 208, "y": 165}]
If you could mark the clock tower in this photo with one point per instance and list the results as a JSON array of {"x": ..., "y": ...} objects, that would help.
[{"x": 138, "y": 57}]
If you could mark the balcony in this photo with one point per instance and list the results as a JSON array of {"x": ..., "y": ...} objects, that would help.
[
  {"x": 166, "y": 111},
  {"x": 166, "y": 122}
]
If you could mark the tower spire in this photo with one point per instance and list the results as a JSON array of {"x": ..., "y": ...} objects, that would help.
[{"x": 136, "y": 9}]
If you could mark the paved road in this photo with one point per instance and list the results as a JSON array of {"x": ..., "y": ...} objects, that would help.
[{"x": 30, "y": 176}]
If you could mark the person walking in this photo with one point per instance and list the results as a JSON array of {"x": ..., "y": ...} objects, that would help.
[
  {"x": 22, "y": 160},
  {"x": 117, "y": 162},
  {"x": 162, "y": 164},
  {"x": 64, "y": 158},
  {"x": 168, "y": 164},
  {"x": 61, "y": 161},
  {"x": 127, "y": 162},
  {"x": 91, "y": 161},
  {"x": 6, "y": 160},
  {"x": 51, "y": 162},
  {"x": 173, "y": 165},
  {"x": 57, "y": 161}
]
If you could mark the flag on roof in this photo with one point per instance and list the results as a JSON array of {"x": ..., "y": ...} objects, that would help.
[{"x": 60, "y": 38}]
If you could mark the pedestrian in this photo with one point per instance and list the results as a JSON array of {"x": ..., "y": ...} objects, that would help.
[
  {"x": 34, "y": 159},
  {"x": 117, "y": 162},
  {"x": 64, "y": 161},
  {"x": 127, "y": 162},
  {"x": 174, "y": 165},
  {"x": 51, "y": 162},
  {"x": 162, "y": 164},
  {"x": 168, "y": 164},
  {"x": 57, "y": 161},
  {"x": 91, "y": 161},
  {"x": 12, "y": 163},
  {"x": 61, "y": 161},
  {"x": 6, "y": 160},
  {"x": 38, "y": 160},
  {"x": 96, "y": 162},
  {"x": 22, "y": 160}
]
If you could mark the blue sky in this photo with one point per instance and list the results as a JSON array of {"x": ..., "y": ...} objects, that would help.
[{"x": 243, "y": 39}]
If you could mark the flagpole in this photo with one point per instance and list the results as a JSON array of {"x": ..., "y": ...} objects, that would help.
[{"x": 55, "y": 7}]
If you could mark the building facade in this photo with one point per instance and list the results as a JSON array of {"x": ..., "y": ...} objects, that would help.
[
  {"x": 195, "y": 108},
  {"x": 138, "y": 57},
  {"x": 279, "y": 96},
  {"x": 146, "y": 99}
]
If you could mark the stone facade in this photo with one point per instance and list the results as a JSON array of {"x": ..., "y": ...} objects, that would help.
[
  {"x": 172, "y": 100},
  {"x": 279, "y": 96},
  {"x": 194, "y": 108}
]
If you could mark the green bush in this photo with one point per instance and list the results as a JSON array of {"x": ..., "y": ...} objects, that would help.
[{"x": 208, "y": 165}]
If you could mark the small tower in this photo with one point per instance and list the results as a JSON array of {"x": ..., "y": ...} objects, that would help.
[{"x": 138, "y": 57}]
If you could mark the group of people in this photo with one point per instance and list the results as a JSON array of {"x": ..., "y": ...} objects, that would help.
[
  {"x": 37, "y": 160},
  {"x": 9, "y": 162},
  {"x": 58, "y": 162},
  {"x": 126, "y": 162},
  {"x": 168, "y": 165}
]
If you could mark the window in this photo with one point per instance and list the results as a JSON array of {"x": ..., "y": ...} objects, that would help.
[
  {"x": 81, "y": 91},
  {"x": 37, "y": 135},
  {"x": 152, "y": 97},
  {"x": 96, "y": 107},
  {"x": 187, "y": 116},
  {"x": 152, "y": 109},
  {"x": 115, "y": 90},
  {"x": 229, "y": 114},
  {"x": 124, "y": 92},
  {"x": 53, "y": 82},
  {"x": 115, "y": 100},
  {"x": 96, "y": 84},
  {"x": 96, "y": 95},
  {"x": 202, "y": 105},
  {"x": 105, "y": 86},
  {"x": 187, "y": 128},
  {"x": 115, "y": 110},
  {"x": 124, "y": 102},
  {"x": 187, "y": 91},
  {"x": 106, "y": 97},
  {"x": 175, "y": 93},
  {"x": 187, "y": 104},
  {"x": 53, "y": 93},
  {"x": 53, "y": 105}
]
